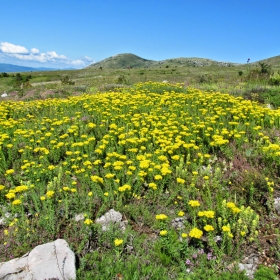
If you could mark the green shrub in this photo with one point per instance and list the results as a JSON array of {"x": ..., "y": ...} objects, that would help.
[
  {"x": 275, "y": 79},
  {"x": 265, "y": 273}
]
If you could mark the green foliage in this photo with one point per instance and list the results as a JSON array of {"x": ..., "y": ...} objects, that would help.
[
  {"x": 122, "y": 79},
  {"x": 4, "y": 75},
  {"x": 275, "y": 79},
  {"x": 265, "y": 68},
  {"x": 65, "y": 80},
  {"x": 208, "y": 275},
  {"x": 266, "y": 96},
  {"x": 265, "y": 273},
  {"x": 205, "y": 78},
  {"x": 57, "y": 161},
  {"x": 260, "y": 74}
]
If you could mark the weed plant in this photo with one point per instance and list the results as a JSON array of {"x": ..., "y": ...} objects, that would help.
[{"x": 157, "y": 153}]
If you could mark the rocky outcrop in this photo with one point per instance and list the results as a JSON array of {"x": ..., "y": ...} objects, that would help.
[{"x": 54, "y": 260}]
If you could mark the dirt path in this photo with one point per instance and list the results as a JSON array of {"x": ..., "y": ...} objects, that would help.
[{"x": 44, "y": 83}]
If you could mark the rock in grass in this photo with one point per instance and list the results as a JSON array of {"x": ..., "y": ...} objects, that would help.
[
  {"x": 111, "y": 217},
  {"x": 277, "y": 205},
  {"x": 79, "y": 217},
  {"x": 54, "y": 260}
]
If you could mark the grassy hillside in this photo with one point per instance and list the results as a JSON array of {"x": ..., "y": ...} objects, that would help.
[
  {"x": 109, "y": 74},
  {"x": 121, "y": 61},
  {"x": 273, "y": 61}
]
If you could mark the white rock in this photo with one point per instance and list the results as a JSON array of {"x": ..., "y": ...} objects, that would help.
[
  {"x": 111, "y": 217},
  {"x": 50, "y": 260},
  {"x": 79, "y": 217},
  {"x": 3, "y": 219},
  {"x": 249, "y": 269}
]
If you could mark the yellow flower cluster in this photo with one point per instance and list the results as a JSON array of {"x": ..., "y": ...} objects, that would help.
[
  {"x": 88, "y": 222},
  {"x": 150, "y": 141},
  {"x": 208, "y": 228},
  {"x": 233, "y": 207},
  {"x": 161, "y": 217},
  {"x": 118, "y": 242},
  {"x": 124, "y": 188},
  {"x": 196, "y": 233},
  {"x": 163, "y": 232},
  {"x": 208, "y": 214},
  {"x": 194, "y": 203}
]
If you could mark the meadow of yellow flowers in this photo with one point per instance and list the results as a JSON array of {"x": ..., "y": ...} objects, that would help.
[{"x": 95, "y": 151}]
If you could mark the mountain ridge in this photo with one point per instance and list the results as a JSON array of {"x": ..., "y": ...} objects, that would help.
[
  {"x": 127, "y": 60},
  {"x": 10, "y": 68}
]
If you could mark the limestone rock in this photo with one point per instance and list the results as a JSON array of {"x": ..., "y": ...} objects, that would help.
[
  {"x": 249, "y": 265},
  {"x": 79, "y": 217},
  {"x": 54, "y": 260},
  {"x": 178, "y": 223},
  {"x": 277, "y": 205},
  {"x": 111, "y": 217},
  {"x": 4, "y": 219}
]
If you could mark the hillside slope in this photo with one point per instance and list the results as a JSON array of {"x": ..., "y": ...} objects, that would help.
[{"x": 125, "y": 60}]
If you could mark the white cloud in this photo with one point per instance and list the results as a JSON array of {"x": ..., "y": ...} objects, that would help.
[
  {"x": 54, "y": 55},
  {"x": 88, "y": 58},
  {"x": 34, "y": 55},
  {"x": 78, "y": 62},
  {"x": 34, "y": 50},
  {"x": 9, "y": 48}
]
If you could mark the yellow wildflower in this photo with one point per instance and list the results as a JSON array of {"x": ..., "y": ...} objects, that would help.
[
  {"x": 50, "y": 193},
  {"x": 118, "y": 242},
  {"x": 88, "y": 221},
  {"x": 10, "y": 195},
  {"x": 16, "y": 202},
  {"x": 181, "y": 214},
  {"x": 208, "y": 228},
  {"x": 161, "y": 217},
  {"x": 196, "y": 233},
  {"x": 226, "y": 228},
  {"x": 158, "y": 177},
  {"x": 9, "y": 171},
  {"x": 153, "y": 186},
  {"x": 180, "y": 181},
  {"x": 194, "y": 203}
]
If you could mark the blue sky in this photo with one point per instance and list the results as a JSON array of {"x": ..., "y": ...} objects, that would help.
[{"x": 63, "y": 34}]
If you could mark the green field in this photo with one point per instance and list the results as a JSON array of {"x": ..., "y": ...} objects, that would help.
[{"x": 190, "y": 156}]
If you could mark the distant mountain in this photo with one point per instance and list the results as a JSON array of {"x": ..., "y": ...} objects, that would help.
[
  {"x": 131, "y": 60},
  {"x": 17, "y": 68},
  {"x": 125, "y": 60}
]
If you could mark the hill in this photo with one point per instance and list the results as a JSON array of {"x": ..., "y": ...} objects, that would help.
[
  {"x": 273, "y": 61},
  {"x": 125, "y": 60}
]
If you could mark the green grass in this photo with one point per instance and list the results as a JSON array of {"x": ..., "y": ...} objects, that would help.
[
  {"x": 211, "y": 77},
  {"x": 155, "y": 152}
]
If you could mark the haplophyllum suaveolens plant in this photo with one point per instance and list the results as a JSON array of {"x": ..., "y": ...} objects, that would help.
[{"x": 147, "y": 144}]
